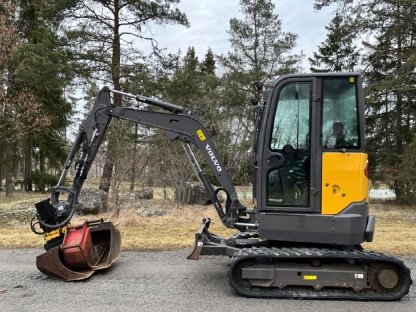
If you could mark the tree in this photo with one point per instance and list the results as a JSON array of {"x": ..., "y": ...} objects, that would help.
[
  {"x": 24, "y": 99},
  {"x": 8, "y": 39},
  {"x": 260, "y": 51},
  {"x": 42, "y": 69},
  {"x": 406, "y": 174},
  {"x": 193, "y": 85},
  {"x": 208, "y": 65},
  {"x": 104, "y": 38},
  {"x": 388, "y": 31},
  {"x": 180, "y": 79},
  {"x": 338, "y": 52},
  {"x": 391, "y": 89}
]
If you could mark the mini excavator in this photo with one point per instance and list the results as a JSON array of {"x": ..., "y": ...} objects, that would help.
[{"x": 302, "y": 238}]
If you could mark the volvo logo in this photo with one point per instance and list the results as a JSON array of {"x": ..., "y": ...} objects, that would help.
[{"x": 213, "y": 158}]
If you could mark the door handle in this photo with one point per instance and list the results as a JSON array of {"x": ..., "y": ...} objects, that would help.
[{"x": 276, "y": 160}]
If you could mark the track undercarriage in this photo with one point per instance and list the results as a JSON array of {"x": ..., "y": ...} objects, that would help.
[{"x": 268, "y": 270}]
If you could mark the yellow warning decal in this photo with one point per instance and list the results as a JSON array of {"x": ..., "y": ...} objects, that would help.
[
  {"x": 310, "y": 277},
  {"x": 201, "y": 135},
  {"x": 352, "y": 79}
]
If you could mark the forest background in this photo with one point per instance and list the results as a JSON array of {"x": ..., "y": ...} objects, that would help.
[{"x": 55, "y": 55}]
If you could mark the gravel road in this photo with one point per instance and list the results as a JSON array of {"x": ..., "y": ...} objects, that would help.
[{"x": 154, "y": 281}]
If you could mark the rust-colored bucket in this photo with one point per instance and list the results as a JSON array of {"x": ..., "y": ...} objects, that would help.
[{"x": 103, "y": 251}]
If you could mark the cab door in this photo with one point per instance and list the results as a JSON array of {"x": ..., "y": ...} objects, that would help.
[{"x": 289, "y": 162}]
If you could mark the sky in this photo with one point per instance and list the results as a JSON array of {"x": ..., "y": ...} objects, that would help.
[{"x": 209, "y": 21}]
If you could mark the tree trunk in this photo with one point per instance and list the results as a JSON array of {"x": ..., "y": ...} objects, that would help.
[
  {"x": 27, "y": 179},
  {"x": 105, "y": 181},
  {"x": 133, "y": 167},
  {"x": 9, "y": 184},
  {"x": 42, "y": 166},
  {"x": 2, "y": 161},
  {"x": 8, "y": 170},
  {"x": 115, "y": 73}
]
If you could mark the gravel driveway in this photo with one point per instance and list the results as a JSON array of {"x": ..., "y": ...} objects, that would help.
[{"x": 154, "y": 281}]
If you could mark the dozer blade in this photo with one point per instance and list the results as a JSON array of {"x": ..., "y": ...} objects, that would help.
[
  {"x": 199, "y": 240},
  {"x": 207, "y": 243},
  {"x": 87, "y": 248}
]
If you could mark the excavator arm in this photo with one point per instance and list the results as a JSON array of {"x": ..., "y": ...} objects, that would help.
[{"x": 179, "y": 124}]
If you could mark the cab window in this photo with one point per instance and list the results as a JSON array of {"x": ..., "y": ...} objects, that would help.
[
  {"x": 288, "y": 182},
  {"x": 340, "y": 127},
  {"x": 291, "y": 122}
]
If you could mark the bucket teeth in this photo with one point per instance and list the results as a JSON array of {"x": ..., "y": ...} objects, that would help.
[{"x": 103, "y": 252}]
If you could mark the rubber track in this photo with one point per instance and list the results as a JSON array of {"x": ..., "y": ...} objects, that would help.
[{"x": 288, "y": 254}]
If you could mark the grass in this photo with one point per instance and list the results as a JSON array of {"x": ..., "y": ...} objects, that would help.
[
  {"x": 176, "y": 229},
  {"x": 18, "y": 199},
  {"x": 395, "y": 230},
  {"x": 171, "y": 231}
]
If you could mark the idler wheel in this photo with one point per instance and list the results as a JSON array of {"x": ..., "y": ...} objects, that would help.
[
  {"x": 383, "y": 277},
  {"x": 388, "y": 278}
]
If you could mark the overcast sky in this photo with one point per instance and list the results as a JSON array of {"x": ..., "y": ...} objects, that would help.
[{"x": 210, "y": 21}]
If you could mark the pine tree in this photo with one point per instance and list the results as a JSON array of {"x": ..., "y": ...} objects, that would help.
[
  {"x": 43, "y": 69},
  {"x": 99, "y": 41},
  {"x": 190, "y": 60},
  {"x": 260, "y": 51},
  {"x": 184, "y": 85},
  {"x": 208, "y": 65},
  {"x": 338, "y": 52},
  {"x": 391, "y": 92},
  {"x": 390, "y": 67},
  {"x": 34, "y": 112}
]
